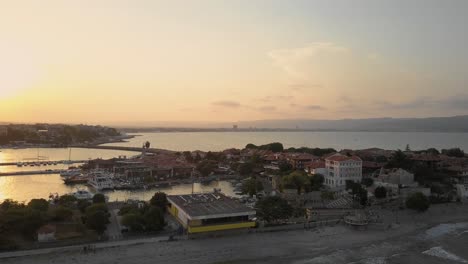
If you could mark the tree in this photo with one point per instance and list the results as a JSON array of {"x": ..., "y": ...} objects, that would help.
[
  {"x": 454, "y": 152},
  {"x": 359, "y": 193},
  {"x": 154, "y": 218},
  {"x": 246, "y": 168},
  {"x": 206, "y": 167},
  {"x": 10, "y": 204},
  {"x": 273, "y": 208},
  {"x": 380, "y": 192},
  {"x": 134, "y": 221},
  {"x": 39, "y": 204},
  {"x": 316, "y": 182},
  {"x": 251, "y": 186},
  {"x": 327, "y": 195},
  {"x": 128, "y": 209},
  {"x": 422, "y": 173},
  {"x": 159, "y": 200},
  {"x": 399, "y": 160},
  {"x": 62, "y": 213},
  {"x": 83, "y": 204},
  {"x": 285, "y": 167},
  {"x": 97, "y": 220},
  {"x": 99, "y": 198},
  {"x": 96, "y": 207},
  {"x": 418, "y": 201},
  {"x": 297, "y": 179},
  {"x": 407, "y": 148},
  {"x": 367, "y": 182},
  {"x": 432, "y": 151},
  {"x": 67, "y": 200}
]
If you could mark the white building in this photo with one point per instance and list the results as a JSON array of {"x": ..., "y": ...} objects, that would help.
[
  {"x": 396, "y": 176},
  {"x": 462, "y": 192},
  {"x": 46, "y": 233},
  {"x": 341, "y": 168}
]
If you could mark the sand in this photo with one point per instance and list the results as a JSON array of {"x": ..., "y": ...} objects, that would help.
[{"x": 437, "y": 236}]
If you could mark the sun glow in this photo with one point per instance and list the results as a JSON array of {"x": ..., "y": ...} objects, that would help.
[{"x": 17, "y": 70}]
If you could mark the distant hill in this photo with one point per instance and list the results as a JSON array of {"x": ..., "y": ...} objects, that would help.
[{"x": 432, "y": 124}]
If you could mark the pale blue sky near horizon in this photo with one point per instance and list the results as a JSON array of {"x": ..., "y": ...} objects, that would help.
[{"x": 217, "y": 61}]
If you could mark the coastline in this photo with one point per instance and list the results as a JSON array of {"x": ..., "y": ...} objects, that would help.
[{"x": 403, "y": 243}]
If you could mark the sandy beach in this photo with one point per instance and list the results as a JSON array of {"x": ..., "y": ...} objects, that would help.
[{"x": 441, "y": 233}]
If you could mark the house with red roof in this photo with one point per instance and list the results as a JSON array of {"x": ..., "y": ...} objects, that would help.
[{"x": 341, "y": 168}]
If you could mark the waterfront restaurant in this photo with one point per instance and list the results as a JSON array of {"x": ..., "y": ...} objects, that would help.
[{"x": 210, "y": 213}]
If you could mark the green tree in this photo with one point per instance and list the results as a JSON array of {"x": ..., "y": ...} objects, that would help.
[
  {"x": 39, "y": 204},
  {"x": 61, "y": 213},
  {"x": 96, "y": 207},
  {"x": 97, "y": 220},
  {"x": 297, "y": 179},
  {"x": 83, "y": 204},
  {"x": 154, "y": 218},
  {"x": 399, "y": 160},
  {"x": 418, "y": 201},
  {"x": 285, "y": 167},
  {"x": 316, "y": 182},
  {"x": 380, "y": 192},
  {"x": 99, "y": 198},
  {"x": 10, "y": 204},
  {"x": 246, "y": 168},
  {"x": 327, "y": 195},
  {"x": 206, "y": 167},
  {"x": 367, "y": 182},
  {"x": 251, "y": 186},
  {"x": 273, "y": 209},
  {"x": 134, "y": 221},
  {"x": 454, "y": 152},
  {"x": 67, "y": 200},
  {"x": 159, "y": 200},
  {"x": 128, "y": 209}
]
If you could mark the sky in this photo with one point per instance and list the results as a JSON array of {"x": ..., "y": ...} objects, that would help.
[{"x": 142, "y": 61}]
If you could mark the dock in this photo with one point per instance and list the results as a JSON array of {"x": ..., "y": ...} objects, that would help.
[
  {"x": 42, "y": 162},
  {"x": 25, "y": 173}
]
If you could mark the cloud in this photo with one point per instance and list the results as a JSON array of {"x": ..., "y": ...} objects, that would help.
[
  {"x": 267, "y": 109},
  {"x": 302, "y": 86},
  {"x": 277, "y": 98},
  {"x": 314, "y": 107},
  {"x": 227, "y": 104},
  {"x": 292, "y": 60}
]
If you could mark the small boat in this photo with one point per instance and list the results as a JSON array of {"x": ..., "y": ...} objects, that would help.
[
  {"x": 82, "y": 195},
  {"x": 76, "y": 180},
  {"x": 72, "y": 172},
  {"x": 101, "y": 180}
]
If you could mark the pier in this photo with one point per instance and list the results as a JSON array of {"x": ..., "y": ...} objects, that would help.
[
  {"x": 134, "y": 149},
  {"x": 42, "y": 162},
  {"x": 25, "y": 173}
]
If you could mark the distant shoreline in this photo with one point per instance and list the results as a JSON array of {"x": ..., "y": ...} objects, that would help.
[{"x": 225, "y": 130}]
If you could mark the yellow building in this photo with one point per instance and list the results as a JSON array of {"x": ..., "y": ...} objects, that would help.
[{"x": 211, "y": 212}]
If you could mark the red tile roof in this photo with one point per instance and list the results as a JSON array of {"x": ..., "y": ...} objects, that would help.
[
  {"x": 339, "y": 157},
  {"x": 47, "y": 229},
  {"x": 315, "y": 164}
]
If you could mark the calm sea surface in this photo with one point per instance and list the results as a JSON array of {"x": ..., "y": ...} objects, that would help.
[
  {"x": 24, "y": 188},
  {"x": 216, "y": 141}
]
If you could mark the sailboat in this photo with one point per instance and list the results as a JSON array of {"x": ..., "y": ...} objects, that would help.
[{"x": 69, "y": 158}]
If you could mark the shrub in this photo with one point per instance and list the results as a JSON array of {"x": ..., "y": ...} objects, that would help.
[{"x": 418, "y": 201}]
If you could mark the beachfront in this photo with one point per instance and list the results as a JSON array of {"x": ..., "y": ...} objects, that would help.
[{"x": 439, "y": 231}]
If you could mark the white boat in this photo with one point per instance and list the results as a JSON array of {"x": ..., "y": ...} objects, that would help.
[
  {"x": 83, "y": 195},
  {"x": 101, "y": 180},
  {"x": 70, "y": 173}
]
